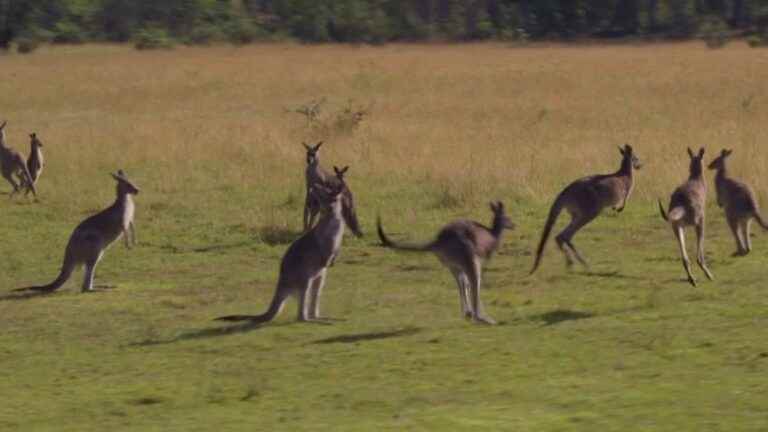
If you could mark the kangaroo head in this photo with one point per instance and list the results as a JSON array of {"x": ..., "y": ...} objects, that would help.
[
  {"x": 124, "y": 186},
  {"x": 629, "y": 157},
  {"x": 500, "y": 218},
  {"x": 340, "y": 172},
  {"x": 719, "y": 162},
  {"x": 312, "y": 157},
  {"x": 34, "y": 141},
  {"x": 697, "y": 166}
]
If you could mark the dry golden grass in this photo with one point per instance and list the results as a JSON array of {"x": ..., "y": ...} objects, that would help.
[{"x": 472, "y": 119}]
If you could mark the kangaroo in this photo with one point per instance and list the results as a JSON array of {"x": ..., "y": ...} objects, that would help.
[
  {"x": 35, "y": 160},
  {"x": 13, "y": 163},
  {"x": 305, "y": 264},
  {"x": 314, "y": 174},
  {"x": 585, "y": 199},
  {"x": 348, "y": 202},
  {"x": 462, "y": 246},
  {"x": 94, "y": 235},
  {"x": 686, "y": 207},
  {"x": 738, "y": 201}
]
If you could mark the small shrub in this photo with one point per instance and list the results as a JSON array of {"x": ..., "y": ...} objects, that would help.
[
  {"x": 204, "y": 34},
  {"x": 243, "y": 31},
  {"x": 152, "y": 38},
  {"x": 714, "y": 31},
  {"x": 758, "y": 40},
  {"x": 25, "y": 44},
  {"x": 68, "y": 32}
]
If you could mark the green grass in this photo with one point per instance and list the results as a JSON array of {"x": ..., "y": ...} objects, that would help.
[
  {"x": 208, "y": 136},
  {"x": 629, "y": 346}
]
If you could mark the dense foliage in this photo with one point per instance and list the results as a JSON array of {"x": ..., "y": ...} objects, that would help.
[{"x": 28, "y": 22}]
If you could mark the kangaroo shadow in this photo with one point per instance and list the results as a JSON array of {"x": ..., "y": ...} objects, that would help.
[
  {"x": 612, "y": 275},
  {"x": 205, "y": 333},
  {"x": 559, "y": 315},
  {"x": 220, "y": 247},
  {"x": 352, "y": 338},
  {"x": 24, "y": 295}
]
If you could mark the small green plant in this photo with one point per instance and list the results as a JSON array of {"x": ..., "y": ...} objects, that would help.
[
  {"x": 204, "y": 34},
  {"x": 25, "y": 44},
  {"x": 714, "y": 32},
  {"x": 152, "y": 38}
]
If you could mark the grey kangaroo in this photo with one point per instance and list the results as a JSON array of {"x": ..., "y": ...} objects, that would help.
[
  {"x": 35, "y": 161},
  {"x": 585, "y": 199},
  {"x": 348, "y": 202},
  {"x": 738, "y": 201},
  {"x": 13, "y": 163},
  {"x": 686, "y": 207},
  {"x": 305, "y": 264},
  {"x": 462, "y": 246},
  {"x": 93, "y": 236},
  {"x": 314, "y": 175}
]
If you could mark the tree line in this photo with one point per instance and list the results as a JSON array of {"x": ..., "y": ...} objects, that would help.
[{"x": 373, "y": 21}]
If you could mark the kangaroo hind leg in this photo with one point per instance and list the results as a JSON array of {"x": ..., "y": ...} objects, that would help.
[
  {"x": 700, "y": 258},
  {"x": 564, "y": 238}
]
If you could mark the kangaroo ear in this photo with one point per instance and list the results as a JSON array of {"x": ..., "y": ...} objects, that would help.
[
  {"x": 701, "y": 152},
  {"x": 628, "y": 148},
  {"x": 2, "y": 126},
  {"x": 317, "y": 146},
  {"x": 337, "y": 170},
  {"x": 305, "y": 145},
  {"x": 343, "y": 170},
  {"x": 690, "y": 153},
  {"x": 33, "y": 135},
  {"x": 727, "y": 152},
  {"x": 621, "y": 150}
]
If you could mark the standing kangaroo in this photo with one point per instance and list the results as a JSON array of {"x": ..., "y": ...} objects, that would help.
[
  {"x": 13, "y": 163},
  {"x": 686, "y": 207},
  {"x": 35, "y": 160},
  {"x": 739, "y": 203},
  {"x": 348, "y": 202},
  {"x": 462, "y": 246},
  {"x": 305, "y": 263},
  {"x": 315, "y": 175},
  {"x": 94, "y": 235},
  {"x": 585, "y": 199}
]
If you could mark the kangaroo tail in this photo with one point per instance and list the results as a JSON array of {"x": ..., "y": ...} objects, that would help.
[
  {"x": 386, "y": 242},
  {"x": 64, "y": 274},
  {"x": 554, "y": 212},
  {"x": 662, "y": 211},
  {"x": 274, "y": 308},
  {"x": 759, "y": 218}
]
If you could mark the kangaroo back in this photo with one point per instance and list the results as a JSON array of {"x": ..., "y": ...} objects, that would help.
[{"x": 554, "y": 212}]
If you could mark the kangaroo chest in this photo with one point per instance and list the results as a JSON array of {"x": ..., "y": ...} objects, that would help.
[
  {"x": 330, "y": 235},
  {"x": 128, "y": 210}
]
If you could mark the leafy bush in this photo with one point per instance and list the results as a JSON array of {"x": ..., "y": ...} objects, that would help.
[
  {"x": 204, "y": 34},
  {"x": 26, "y": 45},
  {"x": 714, "y": 31},
  {"x": 68, "y": 32},
  {"x": 152, "y": 38},
  {"x": 243, "y": 31}
]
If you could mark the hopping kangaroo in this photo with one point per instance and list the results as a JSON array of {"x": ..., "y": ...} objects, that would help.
[
  {"x": 13, "y": 163},
  {"x": 462, "y": 246},
  {"x": 585, "y": 199},
  {"x": 305, "y": 263},
  {"x": 315, "y": 175},
  {"x": 686, "y": 207},
  {"x": 35, "y": 160},
  {"x": 739, "y": 203},
  {"x": 92, "y": 237}
]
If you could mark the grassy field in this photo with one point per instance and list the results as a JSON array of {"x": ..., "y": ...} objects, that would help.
[{"x": 211, "y": 138}]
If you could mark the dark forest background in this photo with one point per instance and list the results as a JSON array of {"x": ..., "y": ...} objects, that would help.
[{"x": 159, "y": 23}]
